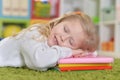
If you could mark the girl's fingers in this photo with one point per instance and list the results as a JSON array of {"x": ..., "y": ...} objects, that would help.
[
  {"x": 77, "y": 52},
  {"x": 83, "y": 54}
]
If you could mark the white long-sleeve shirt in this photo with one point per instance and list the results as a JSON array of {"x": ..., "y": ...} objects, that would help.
[{"x": 25, "y": 50}]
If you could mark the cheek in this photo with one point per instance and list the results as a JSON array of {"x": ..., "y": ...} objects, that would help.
[
  {"x": 50, "y": 39},
  {"x": 66, "y": 44}
]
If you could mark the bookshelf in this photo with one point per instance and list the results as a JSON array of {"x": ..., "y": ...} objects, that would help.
[{"x": 105, "y": 14}]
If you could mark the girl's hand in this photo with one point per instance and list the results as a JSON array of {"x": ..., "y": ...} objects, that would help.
[{"x": 79, "y": 53}]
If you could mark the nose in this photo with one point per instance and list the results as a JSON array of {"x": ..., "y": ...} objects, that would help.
[{"x": 64, "y": 37}]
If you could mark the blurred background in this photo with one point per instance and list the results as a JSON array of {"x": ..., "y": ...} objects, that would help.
[{"x": 16, "y": 15}]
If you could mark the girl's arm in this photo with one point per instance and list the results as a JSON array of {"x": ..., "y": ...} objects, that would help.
[
  {"x": 38, "y": 55},
  {"x": 41, "y": 57},
  {"x": 10, "y": 53}
]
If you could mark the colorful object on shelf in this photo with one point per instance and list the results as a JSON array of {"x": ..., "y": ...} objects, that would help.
[
  {"x": 42, "y": 9},
  {"x": 45, "y": 9},
  {"x": 108, "y": 46},
  {"x": 34, "y": 21},
  {"x": 96, "y": 19},
  {"x": 12, "y": 26},
  {"x": 11, "y": 30},
  {"x": 85, "y": 63}
]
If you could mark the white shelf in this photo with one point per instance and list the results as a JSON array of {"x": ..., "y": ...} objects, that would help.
[
  {"x": 109, "y": 26},
  {"x": 108, "y": 22},
  {"x": 108, "y": 12}
]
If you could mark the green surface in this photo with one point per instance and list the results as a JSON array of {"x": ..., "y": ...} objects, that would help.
[{"x": 27, "y": 74}]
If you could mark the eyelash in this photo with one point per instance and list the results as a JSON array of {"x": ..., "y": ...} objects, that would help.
[
  {"x": 65, "y": 29},
  {"x": 70, "y": 42},
  {"x": 67, "y": 32}
]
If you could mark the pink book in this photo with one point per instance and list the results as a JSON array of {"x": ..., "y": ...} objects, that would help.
[{"x": 86, "y": 60}]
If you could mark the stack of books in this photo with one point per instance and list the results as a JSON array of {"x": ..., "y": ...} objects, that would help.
[{"x": 85, "y": 63}]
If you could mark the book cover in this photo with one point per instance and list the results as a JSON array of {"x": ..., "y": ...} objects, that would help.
[
  {"x": 85, "y": 68},
  {"x": 82, "y": 64},
  {"x": 86, "y": 60}
]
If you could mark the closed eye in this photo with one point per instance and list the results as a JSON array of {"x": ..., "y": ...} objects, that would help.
[
  {"x": 66, "y": 29},
  {"x": 71, "y": 42}
]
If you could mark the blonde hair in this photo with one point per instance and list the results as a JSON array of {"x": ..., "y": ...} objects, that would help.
[{"x": 91, "y": 41}]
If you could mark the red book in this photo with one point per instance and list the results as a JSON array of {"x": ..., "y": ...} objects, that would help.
[{"x": 85, "y": 68}]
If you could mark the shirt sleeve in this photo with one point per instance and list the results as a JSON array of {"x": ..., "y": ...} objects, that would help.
[{"x": 41, "y": 57}]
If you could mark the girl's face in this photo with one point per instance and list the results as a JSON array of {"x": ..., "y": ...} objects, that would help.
[{"x": 67, "y": 34}]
